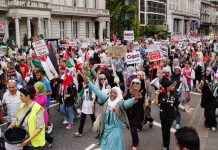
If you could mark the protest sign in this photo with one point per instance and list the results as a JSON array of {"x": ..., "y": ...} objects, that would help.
[
  {"x": 117, "y": 51},
  {"x": 129, "y": 35},
  {"x": 40, "y": 48},
  {"x": 215, "y": 47},
  {"x": 154, "y": 52},
  {"x": 136, "y": 46},
  {"x": 3, "y": 50},
  {"x": 164, "y": 50},
  {"x": 133, "y": 58}
]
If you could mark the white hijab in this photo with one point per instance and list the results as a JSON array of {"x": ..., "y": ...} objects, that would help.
[{"x": 112, "y": 103}]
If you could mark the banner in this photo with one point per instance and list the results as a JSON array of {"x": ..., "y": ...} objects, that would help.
[
  {"x": 133, "y": 58},
  {"x": 164, "y": 50},
  {"x": 136, "y": 46},
  {"x": 154, "y": 52},
  {"x": 215, "y": 47},
  {"x": 40, "y": 48},
  {"x": 117, "y": 51},
  {"x": 3, "y": 50},
  {"x": 129, "y": 35}
]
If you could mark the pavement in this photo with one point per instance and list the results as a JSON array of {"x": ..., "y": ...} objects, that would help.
[{"x": 150, "y": 138}]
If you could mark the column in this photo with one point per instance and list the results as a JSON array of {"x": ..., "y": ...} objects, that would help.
[
  {"x": 39, "y": 26},
  {"x": 29, "y": 29},
  {"x": 17, "y": 28},
  {"x": 6, "y": 29},
  {"x": 100, "y": 32},
  {"x": 108, "y": 29},
  {"x": 49, "y": 27}
]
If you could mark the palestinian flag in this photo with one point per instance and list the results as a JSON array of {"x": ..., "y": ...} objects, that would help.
[
  {"x": 70, "y": 63},
  {"x": 45, "y": 63}
]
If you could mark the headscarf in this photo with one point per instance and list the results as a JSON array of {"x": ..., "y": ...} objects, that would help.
[
  {"x": 68, "y": 79},
  {"x": 112, "y": 103},
  {"x": 41, "y": 87}
]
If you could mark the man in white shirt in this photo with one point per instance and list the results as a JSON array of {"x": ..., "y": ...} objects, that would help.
[{"x": 12, "y": 100}]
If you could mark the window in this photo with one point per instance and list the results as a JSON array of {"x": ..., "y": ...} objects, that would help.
[
  {"x": 142, "y": 18},
  {"x": 87, "y": 30},
  {"x": 74, "y": 3},
  {"x": 95, "y": 4},
  {"x": 44, "y": 25},
  {"x": 61, "y": 27},
  {"x": 85, "y": 3},
  {"x": 75, "y": 30},
  {"x": 142, "y": 5}
]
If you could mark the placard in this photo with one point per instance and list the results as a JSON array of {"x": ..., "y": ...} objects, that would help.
[
  {"x": 215, "y": 47},
  {"x": 133, "y": 58},
  {"x": 41, "y": 48},
  {"x": 117, "y": 51},
  {"x": 136, "y": 46},
  {"x": 154, "y": 52},
  {"x": 129, "y": 35},
  {"x": 3, "y": 50}
]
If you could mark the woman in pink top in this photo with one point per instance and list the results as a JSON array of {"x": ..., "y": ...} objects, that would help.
[{"x": 41, "y": 99}]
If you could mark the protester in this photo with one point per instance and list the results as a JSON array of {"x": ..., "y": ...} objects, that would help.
[
  {"x": 187, "y": 139},
  {"x": 11, "y": 101},
  {"x": 33, "y": 122}
]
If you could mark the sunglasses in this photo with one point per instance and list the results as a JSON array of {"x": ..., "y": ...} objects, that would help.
[
  {"x": 103, "y": 79},
  {"x": 136, "y": 83},
  {"x": 12, "y": 81}
]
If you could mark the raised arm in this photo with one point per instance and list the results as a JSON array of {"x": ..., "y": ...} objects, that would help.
[
  {"x": 102, "y": 96},
  {"x": 129, "y": 103}
]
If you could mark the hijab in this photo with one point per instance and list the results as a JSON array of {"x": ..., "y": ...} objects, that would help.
[
  {"x": 112, "y": 103},
  {"x": 41, "y": 87}
]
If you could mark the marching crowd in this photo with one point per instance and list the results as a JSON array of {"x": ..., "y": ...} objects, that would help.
[{"x": 112, "y": 92}]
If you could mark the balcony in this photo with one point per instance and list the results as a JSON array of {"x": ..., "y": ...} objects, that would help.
[
  {"x": 28, "y": 4},
  {"x": 3, "y": 5},
  {"x": 79, "y": 11}
]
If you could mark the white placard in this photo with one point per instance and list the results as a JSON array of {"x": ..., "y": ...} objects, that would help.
[
  {"x": 129, "y": 35},
  {"x": 133, "y": 58},
  {"x": 41, "y": 48},
  {"x": 215, "y": 48}
]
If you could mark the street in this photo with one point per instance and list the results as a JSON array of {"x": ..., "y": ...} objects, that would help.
[{"x": 150, "y": 139}]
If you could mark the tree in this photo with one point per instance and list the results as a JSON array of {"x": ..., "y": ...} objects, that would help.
[
  {"x": 124, "y": 17},
  {"x": 151, "y": 30},
  {"x": 25, "y": 40},
  {"x": 10, "y": 43}
]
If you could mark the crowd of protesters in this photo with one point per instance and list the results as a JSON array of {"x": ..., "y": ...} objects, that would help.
[{"x": 112, "y": 92}]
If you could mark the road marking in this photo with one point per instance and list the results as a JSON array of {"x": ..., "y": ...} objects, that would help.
[
  {"x": 98, "y": 149},
  {"x": 159, "y": 125},
  {"x": 195, "y": 93},
  {"x": 90, "y": 147}
]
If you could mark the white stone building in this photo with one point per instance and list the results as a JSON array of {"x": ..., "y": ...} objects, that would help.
[
  {"x": 78, "y": 19},
  {"x": 183, "y": 16}
]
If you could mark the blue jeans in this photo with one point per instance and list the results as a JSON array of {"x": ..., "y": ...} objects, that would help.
[
  {"x": 178, "y": 113},
  {"x": 68, "y": 112}
]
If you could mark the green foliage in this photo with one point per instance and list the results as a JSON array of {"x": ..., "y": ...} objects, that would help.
[
  {"x": 150, "y": 30},
  {"x": 25, "y": 40},
  {"x": 41, "y": 36},
  {"x": 123, "y": 17},
  {"x": 10, "y": 43}
]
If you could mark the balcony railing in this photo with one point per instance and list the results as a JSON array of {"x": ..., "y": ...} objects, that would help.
[
  {"x": 28, "y": 4},
  {"x": 68, "y": 10},
  {"x": 3, "y": 5}
]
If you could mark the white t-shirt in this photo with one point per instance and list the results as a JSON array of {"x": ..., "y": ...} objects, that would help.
[
  {"x": 13, "y": 103},
  {"x": 87, "y": 102}
]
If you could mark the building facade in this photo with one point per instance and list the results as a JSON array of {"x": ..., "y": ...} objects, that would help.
[
  {"x": 208, "y": 18},
  {"x": 78, "y": 19},
  {"x": 183, "y": 16},
  {"x": 152, "y": 12}
]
